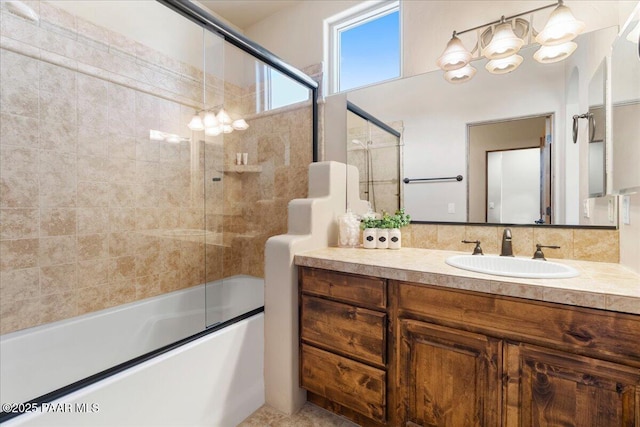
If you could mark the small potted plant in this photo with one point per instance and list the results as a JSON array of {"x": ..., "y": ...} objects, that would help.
[
  {"x": 392, "y": 224},
  {"x": 370, "y": 225}
]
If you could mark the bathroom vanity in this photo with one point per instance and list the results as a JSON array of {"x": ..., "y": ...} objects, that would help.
[{"x": 399, "y": 338}]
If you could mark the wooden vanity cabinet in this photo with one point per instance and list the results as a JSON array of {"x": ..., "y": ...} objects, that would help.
[
  {"x": 343, "y": 343},
  {"x": 525, "y": 363},
  {"x": 462, "y": 358}
]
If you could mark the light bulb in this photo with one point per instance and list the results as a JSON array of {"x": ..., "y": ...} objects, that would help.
[
  {"x": 561, "y": 27},
  {"x": 504, "y": 65},
  {"x": 504, "y": 43},
  {"x": 460, "y": 75},
  {"x": 210, "y": 120},
  {"x": 196, "y": 123},
  {"x": 227, "y": 128},
  {"x": 551, "y": 54},
  {"x": 223, "y": 117},
  {"x": 455, "y": 55}
]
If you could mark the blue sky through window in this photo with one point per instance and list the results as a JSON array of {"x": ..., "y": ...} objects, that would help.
[{"x": 370, "y": 52}]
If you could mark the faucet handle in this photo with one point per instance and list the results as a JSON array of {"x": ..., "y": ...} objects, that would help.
[
  {"x": 477, "y": 250},
  {"x": 538, "y": 253}
]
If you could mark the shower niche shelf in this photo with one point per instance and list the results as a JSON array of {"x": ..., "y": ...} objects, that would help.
[{"x": 242, "y": 168}]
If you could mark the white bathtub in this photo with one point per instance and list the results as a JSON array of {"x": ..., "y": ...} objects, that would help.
[{"x": 42, "y": 359}]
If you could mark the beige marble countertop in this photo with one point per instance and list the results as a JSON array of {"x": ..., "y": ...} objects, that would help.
[{"x": 600, "y": 285}]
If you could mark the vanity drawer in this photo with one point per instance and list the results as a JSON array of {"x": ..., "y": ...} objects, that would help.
[
  {"x": 349, "y": 383},
  {"x": 361, "y": 290},
  {"x": 352, "y": 331}
]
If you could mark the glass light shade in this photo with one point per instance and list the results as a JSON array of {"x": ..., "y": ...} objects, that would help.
[
  {"x": 196, "y": 123},
  {"x": 561, "y": 27},
  {"x": 460, "y": 75},
  {"x": 504, "y": 43},
  {"x": 210, "y": 120},
  {"x": 455, "y": 56},
  {"x": 240, "y": 124},
  {"x": 504, "y": 65},
  {"x": 213, "y": 131},
  {"x": 550, "y": 54},
  {"x": 227, "y": 128},
  {"x": 223, "y": 117}
]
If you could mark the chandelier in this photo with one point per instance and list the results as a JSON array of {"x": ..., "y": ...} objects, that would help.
[{"x": 214, "y": 124}]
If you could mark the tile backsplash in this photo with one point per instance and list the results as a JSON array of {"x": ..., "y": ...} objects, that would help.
[{"x": 585, "y": 244}]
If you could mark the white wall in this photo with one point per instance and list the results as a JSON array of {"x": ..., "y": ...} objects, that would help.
[
  {"x": 296, "y": 34},
  {"x": 436, "y": 114}
]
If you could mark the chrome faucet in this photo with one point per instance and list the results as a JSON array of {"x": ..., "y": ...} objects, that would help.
[{"x": 507, "y": 248}]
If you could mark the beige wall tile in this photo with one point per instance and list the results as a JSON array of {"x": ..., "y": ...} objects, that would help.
[
  {"x": 122, "y": 268},
  {"x": 92, "y": 220},
  {"x": 57, "y": 279},
  {"x": 57, "y": 177},
  {"x": 92, "y": 272},
  {"x": 18, "y": 223},
  {"x": 450, "y": 237},
  {"x": 93, "y": 246},
  {"x": 57, "y": 222},
  {"x": 19, "y": 284},
  {"x": 422, "y": 236},
  {"x": 19, "y": 316},
  {"x": 57, "y": 250},
  {"x": 16, "y": 192},
  {"x": 19, "y": 130},
  {"x": 18, "y": 254},
  {"x": 596, "y": 245},
  {"x": 57, "y": 307}
]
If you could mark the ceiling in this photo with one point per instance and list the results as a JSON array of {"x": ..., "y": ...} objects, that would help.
[{"x": 245, "y": 13}]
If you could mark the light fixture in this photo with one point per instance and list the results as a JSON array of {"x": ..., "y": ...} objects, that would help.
[
  {"x": 460, "y": 75},
  {"x": 561, "y": 27},
  {"x": 210, "y": 120},
  {"x": 500, "y": 41},
  {"x": 504, "y": 42},
  {"x": 504, "y": 65},
  {"x": 556, "y": 53},
  {"x": 455, "y": 55},
  {"x": 214, "y": 124},
  {"x": 196, "y": 123}
]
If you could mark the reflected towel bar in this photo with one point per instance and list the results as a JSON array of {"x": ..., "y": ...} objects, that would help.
[{"x": 445, "y": 178}]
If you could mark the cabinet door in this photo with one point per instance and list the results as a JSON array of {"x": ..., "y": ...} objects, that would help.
[
  {"x": 449, "y": 377},
  {"x": 551, "y": 388}
]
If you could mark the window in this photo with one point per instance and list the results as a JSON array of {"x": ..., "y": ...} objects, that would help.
[
  {"x": 276, "y": 90},
  {"x": 365, "y": 47}
]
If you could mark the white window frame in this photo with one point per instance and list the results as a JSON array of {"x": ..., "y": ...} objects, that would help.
[{"x": 368, "y": 11}]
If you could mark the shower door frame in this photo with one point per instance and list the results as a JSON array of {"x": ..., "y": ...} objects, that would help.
[{"x": 211, "y": 23}]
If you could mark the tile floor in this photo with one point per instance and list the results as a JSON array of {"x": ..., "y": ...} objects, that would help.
[{"x": 309, "y": 416}]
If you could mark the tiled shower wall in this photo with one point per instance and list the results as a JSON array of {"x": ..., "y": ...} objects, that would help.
[{"x": 92, "y": 209}]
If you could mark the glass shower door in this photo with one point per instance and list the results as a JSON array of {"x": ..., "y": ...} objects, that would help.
[{"x": 253, "y": 168}]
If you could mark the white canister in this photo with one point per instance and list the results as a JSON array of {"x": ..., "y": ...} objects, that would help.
[
  {"x": 349, "y": 230},
  {"x": 382, "y": 238},
  {"x": 369, "y": 238},
  {"x": 395, "y": 238}
]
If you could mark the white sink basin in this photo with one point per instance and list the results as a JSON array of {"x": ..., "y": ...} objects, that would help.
[{"x": 512, "y": 267}]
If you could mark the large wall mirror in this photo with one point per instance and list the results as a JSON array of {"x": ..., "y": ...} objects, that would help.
[
  {"x": 449, "y": 130},
  {"x": 625, "y": 111}
]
